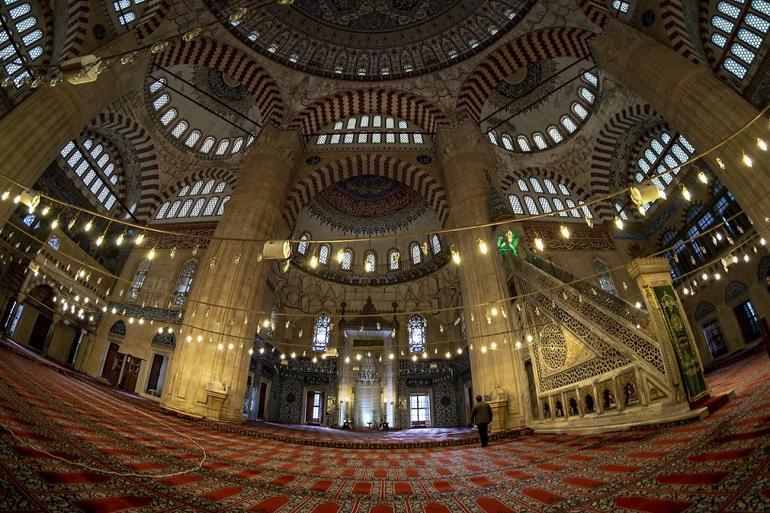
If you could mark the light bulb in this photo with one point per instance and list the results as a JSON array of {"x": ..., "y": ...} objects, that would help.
[
  {"x": 266, "y": 323},
  {"x": 761, "y": 144},
  {"x": 358, "y": 357},
  {"x": 704, "y": 276},
  {"x": 747, "y": 160},
  {"x": 139, "y": 239},
  {"x": 459, "y": 350},
  {"x": 564, "y": 231},
  {"x": 662, "y": 194},
  {"x": 717, "y": 276},
  {"x": 340, "y": 255},
  {"x": 735, "y": 259},
  {"x": 283, "y": 356},
  {"x": 483, "y": 349},
  {"x": 54, "y": 223},
  {"x": 88, "y": 226},
  {"x": 45, "y": 211},
  {"x": 702, "y": 177},
  {"x": 347, "y": 359},
  {"x": 414, "y": 358},
  {"x": 518, "y": 344},
  {"x": 119, "y": 240},
  {"x": 686, "y": 291},
  {"x": 448, "y": 355},
  {"x": 539, "y": 244},
  {"x": 100, "y": 240},
  {"x": 638, "y": 305},
  {"x": 483, "y": 247},
  {"x": 529, "y": 338},
  {"x": 619, "y": 222},
  {"x": 5, "y": 195},
  {"x": 17, "y": 199},
  {"x": 493, "y": 345},
  {"x": 314, "y": 261},
  {"x": 762, "y": 241},
  {"x": 151, "y": 254},
  {"x": 391, "y": 356},
  {"x": 455, "y": 257},
  {"x": 493, "y": 311},
  {"x": 746, "y": 257},
  {"x": 686, "y": 194},
  {"x": 251, "y": 352}
]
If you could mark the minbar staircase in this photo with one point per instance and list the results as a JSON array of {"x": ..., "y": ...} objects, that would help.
[{"x": 597, "y": 363}]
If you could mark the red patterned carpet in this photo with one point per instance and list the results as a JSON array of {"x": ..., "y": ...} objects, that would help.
[{"x": 721, "y": 464}]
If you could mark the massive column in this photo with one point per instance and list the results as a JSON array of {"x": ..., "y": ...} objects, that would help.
[
  {"x": 696, "y": 103},
  {"x": 210, "y": 368},
  {"x": 465, "y": 159},
  {"x": 35, "y": 130}
]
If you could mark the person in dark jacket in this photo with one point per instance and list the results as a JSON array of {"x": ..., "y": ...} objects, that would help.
[{"x": 482, "y": 416}]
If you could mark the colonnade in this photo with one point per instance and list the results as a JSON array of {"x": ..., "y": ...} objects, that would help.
[{"x": 209, "y": 372}]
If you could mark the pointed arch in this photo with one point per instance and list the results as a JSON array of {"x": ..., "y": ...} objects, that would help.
[
  {"x": 141, "y": 143},
  {"x": 220, "y": 56},
  {"x": 369, "y": 101},
  {"x": 535, "y": 46}
]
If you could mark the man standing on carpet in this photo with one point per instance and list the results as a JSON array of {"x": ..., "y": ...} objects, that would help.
[{"x": 482, "y": 416}]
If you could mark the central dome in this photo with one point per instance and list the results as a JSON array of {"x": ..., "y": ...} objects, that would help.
[{"x": 372, "y": 39}]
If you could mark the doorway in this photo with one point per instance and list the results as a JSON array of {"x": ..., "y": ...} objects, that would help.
[
  {"x": 153, "y": 387},
  {"x": 73, "y": 352},
  {"x": 40, "y": 332},
  {"x": 314, "y": 409},
  {"x": 419, "y": 410},
  {"x": 111, "y": 368},
  {"x": 748, "y": 321},
  {"x": 130, "y": 374},
  {"x": 714, "y": 339},
  {"x": 262, "y": 401}
]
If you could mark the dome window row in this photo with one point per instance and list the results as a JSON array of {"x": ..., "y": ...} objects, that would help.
[
  {"x": 181, "y": 130},
  {"x": 375, "y": 129},
  {"x": 554, "y": 134},
  {"x": 203, "y": 199},
  {"x": 554, "y": 198},
  {"x": 417, "y": 253}
]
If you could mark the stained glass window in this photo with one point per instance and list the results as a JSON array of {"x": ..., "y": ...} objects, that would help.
[
  {"x": 138, "y": 280},
  {"x": 321, "y": 332},
  {"x": 184, "y": 282},
  {"x": 416, "y": 333}
]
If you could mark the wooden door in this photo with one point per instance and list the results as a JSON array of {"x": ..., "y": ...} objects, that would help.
[
  {"x": 111, "y": 369},
  {"x": 262, "y": 400},
  {"x": 130, "y": 374}
]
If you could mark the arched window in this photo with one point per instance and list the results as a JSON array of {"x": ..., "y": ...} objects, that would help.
[
  {"x": 531, "y": 206},
  {"x": 184, "y": 282},
  {"x": 162, "y": 210},
  {"x": 568, "y": 124},
  {"x": 579, "y": 110},
  {"x": 370, "y": 261},
  {"x": 179, "y": 129},
  {"x": 138, "y": 280},
  {"x": 321, "y": 332},
  {"x": 554, "y": 134},
  {"x": 414, "y": 250},
  {"x": 303, "y": 243},
  {"x": 605, "y": 280},
  {"x": 168, "y": 116},
  {"x": 192, "y": 138},
  {"x": 539, "y": 140},
  {"x": 507, "y": 142},
  {"x": 523, "y": 143},
  {"x": 347, "y": 260},
  {"x": 435, "y": 244},
  {"x": 323, "y": 254},
  {"x": 515, "y": 205},
  {"x": 394, "y": 259},
  {"x": 208, "y": 143},
  {"x": 416, "y": 333}
]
